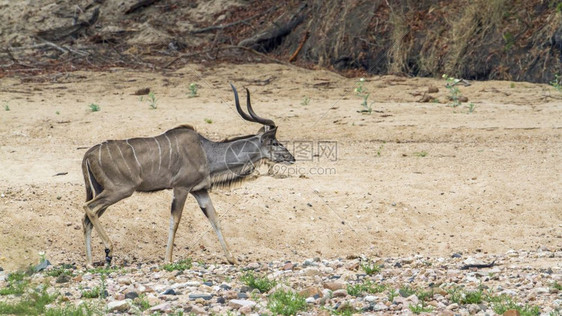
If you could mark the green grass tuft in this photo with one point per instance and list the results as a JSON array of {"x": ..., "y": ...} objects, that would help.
[
  {"x": 263, "y": 284},
  {"x": 365, "y": 287},
  {"x": 71, "y": 310},
  {"x": 286, "y": 303},
  {"x": 32, "y": 303},
  {"x": 420, "y": 308},
  {"x": 181, "y": 265}
]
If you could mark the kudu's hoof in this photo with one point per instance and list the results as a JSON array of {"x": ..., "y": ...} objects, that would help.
[{"x": 108, "y": 258}]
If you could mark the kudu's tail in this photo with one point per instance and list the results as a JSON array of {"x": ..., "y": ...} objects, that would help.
[{"x": 93, "y": 188}]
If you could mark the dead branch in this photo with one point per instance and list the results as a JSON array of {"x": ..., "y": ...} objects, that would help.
[
  {"x": 248, "y": 49},
  {"x": 55, "y": 46},
  {"x": 139, "y": 5},
  {"x": 301, "y": 44},
  {"x": 224, "y": 26}
]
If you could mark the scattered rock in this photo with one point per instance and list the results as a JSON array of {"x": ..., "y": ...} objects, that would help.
[
  {"x": 288, "y": 266},
  {"x": 205, "y": 296},
  {"x": 63, "y": 278},
  {"x": 143, "y": 91},
  {"x": 42, "y": 266},
  {"x": 511, "y": 312},
  {"x": 161, "y": 308},
  {"x": 253, "y": 266},
  {"x": 340, "y": 293},
  {"x": 241, "y": 303},
  {"x": 170, "y": 292},
  {"x": 425, "y": 98},
  {"x": 473, "y": 308},
  {"x": 245, "y": 310},
  {"x": 334, "y": 285},
  {"x": 217, "y": 289},
  {"x": 198, "y": 310},
  {"x": 432, "y": 89},
  {"x": 118, "y": 306},
  {"x": 310, "y": 291}
]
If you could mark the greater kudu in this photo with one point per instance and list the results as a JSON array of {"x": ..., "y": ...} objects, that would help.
[{"x": 179, "y": 159}]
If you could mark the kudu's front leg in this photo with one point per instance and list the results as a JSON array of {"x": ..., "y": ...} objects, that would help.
[
  {"x": 180, "y": 195},
  {"x": 206, "y": 206}
]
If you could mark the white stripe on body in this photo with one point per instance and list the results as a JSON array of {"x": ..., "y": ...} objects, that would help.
[
  {"x": 99, "y": 153},
  {"x": 109, "y": 151},
  {"x": 134, "y": 153},
  {"x": 123, "y": 157},
  {"x": 159, "y": 153},
  {"x": 169, "y": 145}
]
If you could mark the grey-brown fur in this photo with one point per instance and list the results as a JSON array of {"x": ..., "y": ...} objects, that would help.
[{"x": 179, "y": 159}]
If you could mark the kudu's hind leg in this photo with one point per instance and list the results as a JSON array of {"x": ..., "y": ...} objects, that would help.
[
  {"x": 87, "y": 226},
  {"x": 94, "y": 209},
  {"x": 180, "y": 195},
  {"x": 206, "y": 206}
]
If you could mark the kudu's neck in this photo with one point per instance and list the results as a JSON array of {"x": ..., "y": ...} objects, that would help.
[{"x": 232, "y": 160}]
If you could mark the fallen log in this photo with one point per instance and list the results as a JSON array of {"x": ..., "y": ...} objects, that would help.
[
  {"x": 60, "y": 33},
  {"x": 270, "y": 38}
]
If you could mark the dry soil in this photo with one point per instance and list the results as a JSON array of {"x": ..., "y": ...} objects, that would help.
[{"x": 410, "y": 178}]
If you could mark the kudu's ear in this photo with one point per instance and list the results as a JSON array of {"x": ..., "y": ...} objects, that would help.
[
  {"x": 266, "y": 128},
  {"x": 267, "y": 133}
]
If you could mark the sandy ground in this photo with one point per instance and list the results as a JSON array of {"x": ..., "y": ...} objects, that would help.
[{"x": 411, "y": 178}]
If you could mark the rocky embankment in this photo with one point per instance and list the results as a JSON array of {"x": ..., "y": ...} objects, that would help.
[{"x": 517, "y": 282}]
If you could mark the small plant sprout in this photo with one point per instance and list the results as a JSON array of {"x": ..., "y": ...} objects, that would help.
[
  {"x": 392, "y": 294},
  {"x": 94, "y": 107},
  {"x": 360, "y": 91},
  {"x": 370, "y": 268},
  {"x": 305, "y": 101},
  {"x": 192, "y": 90},
  {"x": 208, "y": 121},
  {"x": 471, "y": 107},
  {"x": 42, "y": 257},
  {"x": 557, "y": 82},
  {"x": 454, "y": 92},
  {"x": 152, "y": 101},
  {"x": 421, "y": 154},
  {"x": 380, "y": 149},
  {"x": 6, "y": 106}
]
